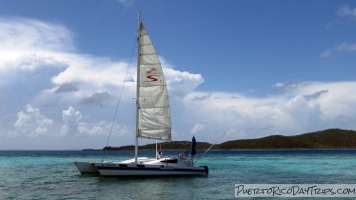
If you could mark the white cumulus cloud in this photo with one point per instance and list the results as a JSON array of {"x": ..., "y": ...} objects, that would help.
[
  {"x": 72, "y": 121},
  {"x": 27, "y": 43},
  {"x": 31, "y": 122}
]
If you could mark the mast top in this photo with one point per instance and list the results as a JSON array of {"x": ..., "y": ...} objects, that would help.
[{"x": 139, "y": 19}]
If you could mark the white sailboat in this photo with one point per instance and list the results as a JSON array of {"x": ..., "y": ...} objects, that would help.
[{"x": 152, "y": 121}]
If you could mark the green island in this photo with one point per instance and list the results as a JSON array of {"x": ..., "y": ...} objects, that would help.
[{"x": 326, "y": 139}]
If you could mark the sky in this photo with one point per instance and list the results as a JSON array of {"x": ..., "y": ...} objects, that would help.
[{"x": 251, "y": 67}]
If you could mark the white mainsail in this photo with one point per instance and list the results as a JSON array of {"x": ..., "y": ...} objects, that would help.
[{"x": 153, "y": 110}]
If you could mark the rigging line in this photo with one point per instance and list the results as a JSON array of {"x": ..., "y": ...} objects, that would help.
[
  {"x": 120, "y": 96},
  {"x": 213, "y": 144}
]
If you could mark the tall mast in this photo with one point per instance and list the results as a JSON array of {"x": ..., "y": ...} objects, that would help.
[{"x": 138, "y": 81}]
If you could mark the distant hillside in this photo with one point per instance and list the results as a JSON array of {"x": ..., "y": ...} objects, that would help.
[{"x": 327, "y": 139}]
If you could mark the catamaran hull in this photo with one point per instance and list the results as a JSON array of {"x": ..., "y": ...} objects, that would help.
[
  {"x": 86, "y": 167},
  {"x": 151, "y": 171},
  {"x": 89, "y": 168}
]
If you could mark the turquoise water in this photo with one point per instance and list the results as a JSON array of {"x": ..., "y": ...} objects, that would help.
[{"x": 52, "y": 174}]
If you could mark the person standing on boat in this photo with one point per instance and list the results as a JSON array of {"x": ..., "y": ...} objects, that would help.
[{"x": 159, "y": 155}]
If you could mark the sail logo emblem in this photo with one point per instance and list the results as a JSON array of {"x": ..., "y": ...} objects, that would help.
[{"x": 152, "y": 74}]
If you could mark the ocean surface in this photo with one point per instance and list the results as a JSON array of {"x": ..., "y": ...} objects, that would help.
[{"x": 52, "y": 174}]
